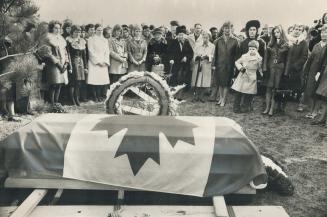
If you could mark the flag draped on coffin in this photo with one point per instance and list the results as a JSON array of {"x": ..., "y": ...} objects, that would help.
[{"x": 199, "y": 156}]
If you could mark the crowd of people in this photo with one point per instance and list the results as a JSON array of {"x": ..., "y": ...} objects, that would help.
[{"x": 292, "y": 64}]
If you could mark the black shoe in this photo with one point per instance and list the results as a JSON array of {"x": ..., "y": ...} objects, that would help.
[
  {"x": 237, "y": 110},
  {"x": 318, "y": 123}
]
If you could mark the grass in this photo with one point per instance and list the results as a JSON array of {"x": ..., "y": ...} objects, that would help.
[{"x": 290, "y": 139}]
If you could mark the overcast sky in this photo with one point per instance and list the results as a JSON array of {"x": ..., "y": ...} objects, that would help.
[{"x": 207, "y": 12}]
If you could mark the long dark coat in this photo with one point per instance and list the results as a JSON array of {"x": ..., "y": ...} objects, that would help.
[
  {"x": 311, "y": 68},
  {"x": 297, "y": 56},
  {"x": 276, "y": 62},
  {"x": 181, "y": 71},
  {"x": 226, "y": 53},
  {"x": 156, "y": 48},
  {"x": 322, "y": 82}
]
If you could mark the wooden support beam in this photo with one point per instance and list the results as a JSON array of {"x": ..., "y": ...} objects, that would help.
[
  {"x": 120, "y": 200},
  {"x": 30, "y": 203},
  {"x": 57, "y": 196},
  {"x": 80, "y": 185},
  {"x": 220, "y": 206}
]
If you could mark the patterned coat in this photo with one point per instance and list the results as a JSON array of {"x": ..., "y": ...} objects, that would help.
[
  {"x": 118, "y": 50},
  {"x": 56, "y": 59},
  {"x": 137, "y": 51},
  {"x": 77, "y": 52}
]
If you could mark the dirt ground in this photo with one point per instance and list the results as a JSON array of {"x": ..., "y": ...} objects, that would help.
[{"x": 289, "y": 138}]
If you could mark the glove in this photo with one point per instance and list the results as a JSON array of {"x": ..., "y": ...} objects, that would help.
[
  {"x": 61, "y": 68},
  {"x": 205, "y": 58},
  {"x": 243, "y": 69}
]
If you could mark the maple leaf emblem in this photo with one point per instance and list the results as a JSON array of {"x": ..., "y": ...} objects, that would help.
[{"x": 141, "y": 140}]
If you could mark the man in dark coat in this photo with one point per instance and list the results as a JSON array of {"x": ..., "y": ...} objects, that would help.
[
  {"x": 180, "y": 57},
  {"x": 226, "y": 53},
  {"x": 171, "y": 35},
  {"x": 157, "y": 51}
]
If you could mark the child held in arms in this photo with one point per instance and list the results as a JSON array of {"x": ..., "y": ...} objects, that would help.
[{"x": 245, "y": 84}]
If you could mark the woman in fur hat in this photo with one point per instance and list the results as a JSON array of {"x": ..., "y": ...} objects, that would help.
[
  {"x": 277, "y": 52},
  {"x": 252, "y": 33},
  {"x": 137, "y": 50}
]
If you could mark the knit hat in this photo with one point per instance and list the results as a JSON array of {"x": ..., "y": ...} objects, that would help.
[
  {"x": 254, "y": 44},
  {"x": 180, "y": 29},
  {"x": 157, "y": 31}
]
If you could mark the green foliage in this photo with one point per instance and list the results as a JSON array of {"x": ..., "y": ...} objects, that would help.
[{"x": 15, "y": 16}]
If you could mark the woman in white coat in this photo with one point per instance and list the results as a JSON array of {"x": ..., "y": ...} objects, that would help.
[
  {"x": 201, "y": 76},
  {"x": 99, "y": 60}
]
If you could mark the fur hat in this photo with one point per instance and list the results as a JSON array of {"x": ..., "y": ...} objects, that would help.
[
  {"x": 174, "y": 23},
  {"x": 180, "y": 29},
  {"x": 252, "y": 23},
  {"x": 254, "y": 44},
  {"x": 157, "y": 31}
]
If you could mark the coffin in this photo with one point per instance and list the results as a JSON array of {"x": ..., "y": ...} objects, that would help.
[{"x": 198, "y": 156}]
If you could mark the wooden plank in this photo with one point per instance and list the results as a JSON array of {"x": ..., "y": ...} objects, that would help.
[
  {"x": 7, "y": 211},
  {"x": 138, "y": 111},
  {"x": 143, "y": 95},
  {"x": 59, "y": 183},
  {"x": 30, "y": 203},
  {"x": 220, "y": 206},
  {"x": 126, "y": 211},
  {"x": 79, "y": 185},
  {"x": 259, "y": 211}
]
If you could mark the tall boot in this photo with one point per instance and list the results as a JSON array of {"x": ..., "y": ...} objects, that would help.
[
  {"x": 76, "y": 96},
  {"x": 237, "y": 102},
  {"x": 213, "y": 96},
  {"x": 72, "y": 95}
]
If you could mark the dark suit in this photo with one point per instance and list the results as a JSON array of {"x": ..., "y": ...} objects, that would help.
[{"x": 181, "y": 71}]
